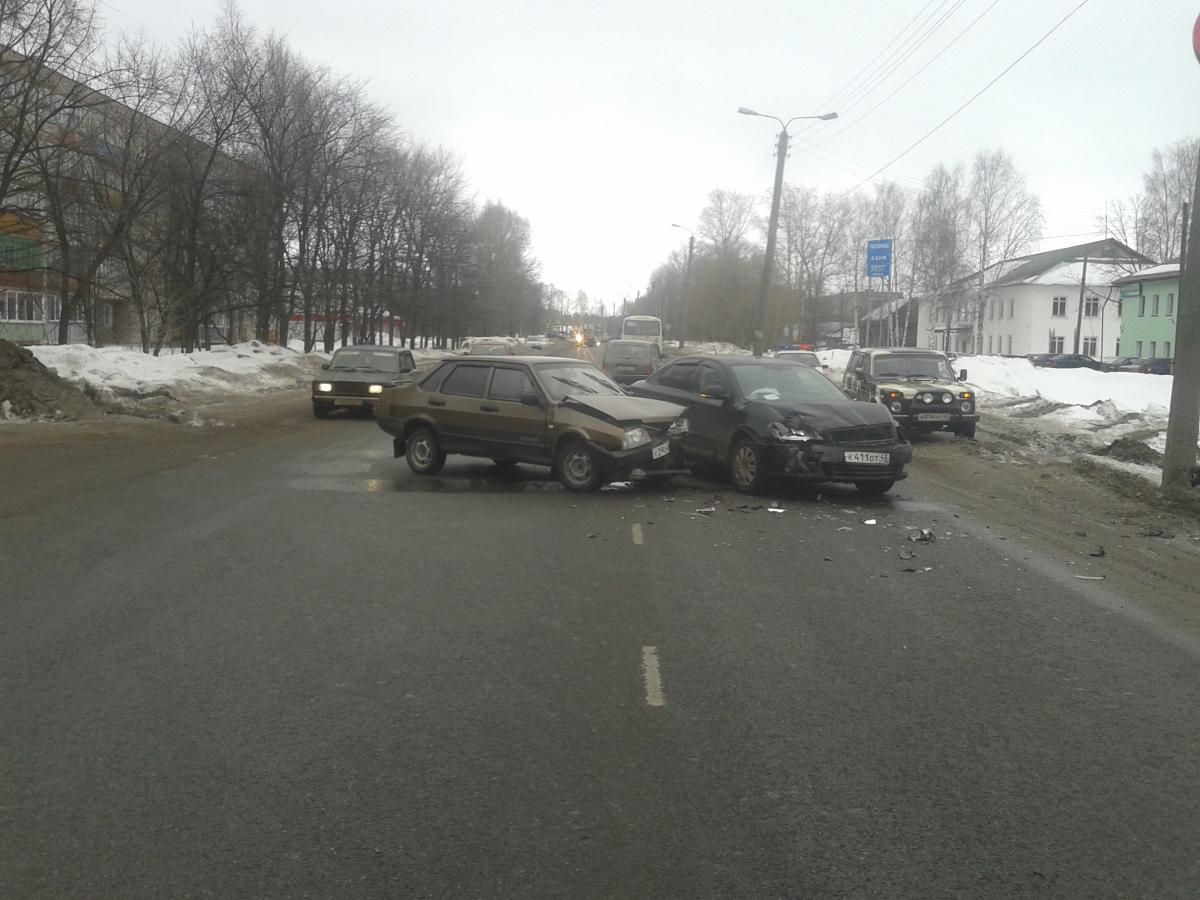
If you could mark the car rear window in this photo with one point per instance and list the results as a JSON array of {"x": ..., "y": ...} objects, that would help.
[
  {"x": 466, "y": 381},
  {"x": 629, "y": 350}
]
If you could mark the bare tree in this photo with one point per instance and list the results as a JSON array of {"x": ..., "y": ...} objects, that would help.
[
  {"x": 726, "y": 222},
  {"x": 1167, "y": 185}
]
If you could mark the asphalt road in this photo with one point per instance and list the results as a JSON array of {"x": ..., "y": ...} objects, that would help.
[{"x": 287, "y": 667}]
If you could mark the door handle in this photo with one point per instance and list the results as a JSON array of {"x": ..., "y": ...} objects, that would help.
[
  {"x": 488, "y": 407},
  {"x": 434, "y": 401}
]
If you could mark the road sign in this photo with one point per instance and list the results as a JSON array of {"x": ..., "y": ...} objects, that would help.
[{"x": 879, "y": 259}]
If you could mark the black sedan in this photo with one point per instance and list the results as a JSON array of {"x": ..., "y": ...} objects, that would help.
[
  {"x": 760, "y": 418},
  {"x": 1074, "y": 361}
]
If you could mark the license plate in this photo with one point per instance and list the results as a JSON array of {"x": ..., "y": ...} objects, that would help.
[
  {"x": 933, "y": 417},
  {"x": 660, "y": 451},
  {"x": 871, "y": 459},
  {"x": 348, "y": 402}
]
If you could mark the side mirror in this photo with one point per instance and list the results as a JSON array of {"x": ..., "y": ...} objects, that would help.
[
  {"x": 531, "y": 399},
  {"x": 823, "y": 366},
  {"x": 962, "y": 374},
  {"x": 325, "y": 366},
  {"x": 716, "y": 392}
]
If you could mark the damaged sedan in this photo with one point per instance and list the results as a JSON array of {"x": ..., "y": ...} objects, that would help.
[
  {"x": 755, "y": 419},
  {"x": 562, "y": 413}
]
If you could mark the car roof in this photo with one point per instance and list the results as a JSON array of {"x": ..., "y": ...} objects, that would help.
[
  {"x": 727, "y": 359},
  {"x": 904, "y": 351},
  {"x": 375, "y": 348},
  {"x": 521, "y": 360}
]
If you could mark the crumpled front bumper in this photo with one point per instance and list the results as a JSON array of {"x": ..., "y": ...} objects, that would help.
[
  {"x": 640, "y": 461},
  {"x": 820, "y": 461}
]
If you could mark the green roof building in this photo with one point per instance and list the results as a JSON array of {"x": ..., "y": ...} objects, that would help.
[{"x": 1149, "y": 303}]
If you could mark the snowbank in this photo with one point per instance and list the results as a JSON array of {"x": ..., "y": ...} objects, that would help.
[
  {"x": 714, "y": 348},
  {"x": 1129, "y": 392},
  {"x": 251, "y": 366}
]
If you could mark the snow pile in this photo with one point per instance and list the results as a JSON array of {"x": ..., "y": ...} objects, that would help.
[
  {"x": 1128, "y": 392},
  {"x": 715, "y": 348},
  {"x": 123, "y": 372}
]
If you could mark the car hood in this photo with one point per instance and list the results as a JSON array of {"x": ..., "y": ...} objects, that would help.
[
  {"x": 832, "y": 414},
  {"x": 623, "y": 409},
  {"x": 908, "y": 388},
  {"x": 345, "y": 375}
]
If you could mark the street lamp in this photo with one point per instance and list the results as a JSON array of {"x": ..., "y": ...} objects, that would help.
[
  {"x": 687, "y": 277},
  {"x": 760, "y": 324}
]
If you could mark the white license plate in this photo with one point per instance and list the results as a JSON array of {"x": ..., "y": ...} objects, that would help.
[
  {"x": 349, "y": 402},
  {"x": 871, "y": 459},
  {"x": 933, "y": 417},
  {"x": 660, "y": 451}
]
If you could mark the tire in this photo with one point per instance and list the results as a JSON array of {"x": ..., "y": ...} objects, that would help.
[
  {"x": 746, "y": 467},
  {"x": 577, "y": 468},
  {"x": 874, "y": 488},
  {"x": 967, "y": 430},
  {"x": 322, "y": 408},
  {"x": 423, "y": 452}
]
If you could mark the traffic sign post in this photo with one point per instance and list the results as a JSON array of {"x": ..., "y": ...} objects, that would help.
[{"x": 879, "y": 259}]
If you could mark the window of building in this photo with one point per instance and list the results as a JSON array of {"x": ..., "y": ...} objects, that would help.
[
  {"x": 1011, "y": 305},
  {"x": 1153, "y": 349},
  {"x": 1056, "y": 343},
  {"x": 1154, "y": 306},
  {"x": 1138, "y": 351},
  {"x": 1170, "y": 304},
  {"x": 1167, "y": 349},
  {"x": 1117, "y": 349},
  {"x": 1141, "y": 306},
  {"x": 1089, "y": 346},
  {"x": 1009, "y": 350},
  {"x": 1059, "y": 306},
  {"x": 989, "y": 345},
  {"x": 1091, "y": 307}
]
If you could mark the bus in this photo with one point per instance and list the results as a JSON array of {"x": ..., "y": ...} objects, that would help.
[{"x": 643, "y": 328}]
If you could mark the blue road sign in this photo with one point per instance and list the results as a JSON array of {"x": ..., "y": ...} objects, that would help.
[{"x": 879, "y": 259}]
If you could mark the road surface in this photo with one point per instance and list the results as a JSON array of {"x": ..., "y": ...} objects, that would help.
[{"x": 273, "y": 663}]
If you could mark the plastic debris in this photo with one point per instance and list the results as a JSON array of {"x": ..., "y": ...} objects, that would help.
[
  {"x": 1098, "y": 552},
  {"x": 924, "y": 536},
  {"x": 869, "y": 522},
  {"x": 1090, "y": 577},
  {"x": 845, "y": 528},
  {"x": 907, "y": 554},
  {"x": 776, "y": 509},
  {"x": 1156, "y": 532},
  {"x": 706, "y": 510}
]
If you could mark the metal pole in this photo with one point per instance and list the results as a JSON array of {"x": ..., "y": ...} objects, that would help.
[
  {"x": 1179, "y": 458},
  {"x": 764, "y": 296},
  {"x": 687, "y": 279},
  {"x": 1082, "y": 295}
]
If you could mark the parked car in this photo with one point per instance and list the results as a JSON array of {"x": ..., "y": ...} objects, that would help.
[
  {"x": 1074, "y": 361},
  {"x": 1039, "y": 359},
  {"x": 563, "y": 413},
  {"x": 761, "y": 418},
  {"x": 489, "y": 348},
  {"x": 804, "y": 357},
  {"x": 918, "y": 387},
  {"x": 357, "y": 377},
  {"x": 1159, "y": 365},
  {"x": 536, "y": 342},
  {"x": 1119, "y": 363},
  {"x": 628, "y": 361}
]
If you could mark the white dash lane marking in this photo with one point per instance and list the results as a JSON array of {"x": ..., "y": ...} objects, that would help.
[
  {"x": 652, "y": 676},
  {"x": 638, "y": 537}
]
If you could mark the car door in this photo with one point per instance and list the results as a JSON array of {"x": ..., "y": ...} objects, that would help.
[
  {"x": 710, "y": 412},
  {"x": 511, "y": 428},
  {"x": 456, "y": 409},
  {"x": 851, "y": 378}
]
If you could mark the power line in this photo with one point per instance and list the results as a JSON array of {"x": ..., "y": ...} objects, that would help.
[
  {"x": 910, "y": 78},
  {"x": 971, "y": 99}
]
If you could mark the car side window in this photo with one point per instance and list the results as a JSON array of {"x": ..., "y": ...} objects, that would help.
[
  {"x": 510, "y": 384},
  {"x": 710, "y": 377},
  {"x": 433, "y": 381},
  {"x": 406, "y": 362},
  {"x": 681, "y": 377},
  {"x": 466, "y": 381}
]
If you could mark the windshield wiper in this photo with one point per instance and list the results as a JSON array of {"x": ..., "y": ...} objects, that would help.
[{"x": 574, "y": 384}]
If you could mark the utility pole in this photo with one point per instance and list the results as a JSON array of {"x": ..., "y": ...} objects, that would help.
[
  {"x": 687, "y": 279},
  {"x": 1183, "y": 424},
  {"x": 1082, "y": 294},
  {"x": 764, "y": 295}
]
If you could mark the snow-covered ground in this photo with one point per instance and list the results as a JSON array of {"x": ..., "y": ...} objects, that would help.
[{"x": 239, "y": 368}]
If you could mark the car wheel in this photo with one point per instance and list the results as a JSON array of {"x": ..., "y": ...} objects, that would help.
[
  {"x": 873, "y": 488},
  {"x": 576, "y": 466},
  {"x": 423, "y": 452},
  {"x": 746, "y": 467},
  {"x": 966, "y": 430},
  {"x": 322, "y": 408}
]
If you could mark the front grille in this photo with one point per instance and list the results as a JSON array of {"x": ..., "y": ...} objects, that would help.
[
  {"x": 351, "y": 388},
  {"x": 855, "y": 471},
  {"x": 861, "y": 435}
]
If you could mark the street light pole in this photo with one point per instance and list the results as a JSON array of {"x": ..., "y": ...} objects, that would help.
[
  {"x": 687, "y": 278},
  {"x": 764, "y": 295}
]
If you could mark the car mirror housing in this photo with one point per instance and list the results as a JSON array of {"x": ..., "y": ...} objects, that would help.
[
  {"x": 716, "y": 392},
  {"x": 325, "y": 366},
  {"x": 531, "y": 399},
  {"x": 962, "y": 374}
]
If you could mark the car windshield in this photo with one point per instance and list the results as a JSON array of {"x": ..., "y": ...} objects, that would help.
[
  {"x": 636, "y": 350},
  {"x": 575, "y": 378},
  {"x": 365, "y": 361},
  {"x": 911, "y": 365},
  {"x": 785, "y": 381}
]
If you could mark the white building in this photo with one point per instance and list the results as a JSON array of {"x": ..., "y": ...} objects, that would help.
[{"x": 1031, "y": 304}]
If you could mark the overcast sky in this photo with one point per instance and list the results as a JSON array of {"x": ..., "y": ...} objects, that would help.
[{"x": 603, "y": 122}]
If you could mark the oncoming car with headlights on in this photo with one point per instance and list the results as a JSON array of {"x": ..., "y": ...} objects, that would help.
[
  {"x": 755, "y": 419},
  {"x": 563, "y": 413},
  {"x": 356, "y": 376},
  {"x": 918, "y": 387}
]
